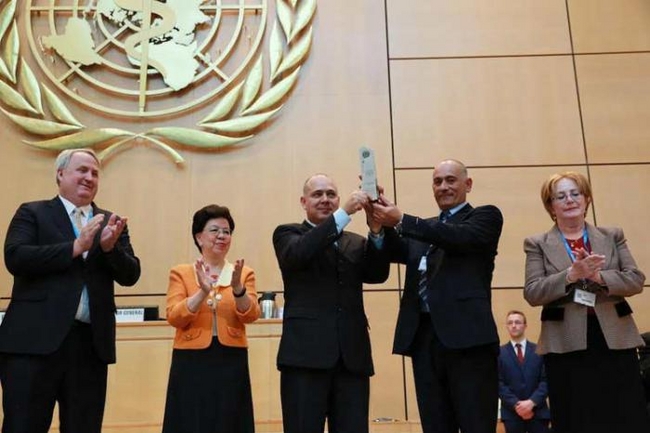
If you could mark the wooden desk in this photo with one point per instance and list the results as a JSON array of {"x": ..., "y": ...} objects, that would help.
[{"x": 137, "y": 384}]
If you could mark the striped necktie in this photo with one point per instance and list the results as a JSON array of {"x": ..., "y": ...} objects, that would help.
[
  {"x": 423, "y": 282},
  {"x": 78, "y": 214},
  {"x": 83, "y": 309}
]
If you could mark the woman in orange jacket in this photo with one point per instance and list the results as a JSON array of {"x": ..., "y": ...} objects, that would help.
[{"x": 209, "y": 303}]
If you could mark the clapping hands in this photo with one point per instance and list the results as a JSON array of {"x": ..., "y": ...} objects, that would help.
[
  {"x": 587, "y": 266},
  {"x": 111, "y": 232}
]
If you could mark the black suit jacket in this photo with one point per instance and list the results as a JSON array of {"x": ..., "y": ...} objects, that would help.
[
  {"x": 460, "y": 274},
  {"x": 324, "y": 318},
  {"x": 48, "y": 281}
]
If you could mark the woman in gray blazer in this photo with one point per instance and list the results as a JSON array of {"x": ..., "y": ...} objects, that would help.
[{"x": 581, "y": 275}]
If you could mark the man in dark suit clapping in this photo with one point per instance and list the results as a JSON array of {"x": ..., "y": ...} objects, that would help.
[
  {"x": 324, "y": 356},
  {"x": 522, "y": 381},
  {"x": 445, "y": 321},
  {"x": 58, "y": 335}
]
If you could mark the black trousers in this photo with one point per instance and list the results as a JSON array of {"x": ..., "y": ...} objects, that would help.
[
  {"x": 597, "y": 390},
  {"x": 309, "y": 396},
  {"x": 73, "y": 376},
  {"x": 455, "y": 389},
  {"x": 534, "y": 425}
]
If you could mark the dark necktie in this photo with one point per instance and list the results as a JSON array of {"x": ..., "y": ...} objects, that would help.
[
  {"x": 422, "y": 282},
  {"x": 424, "y": 274},
  {"x": 520, "y": 353}
]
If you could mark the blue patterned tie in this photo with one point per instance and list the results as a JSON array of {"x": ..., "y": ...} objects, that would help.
[
  {"x": 424, "y": 274},
  {"x": 422, "y": 283}
]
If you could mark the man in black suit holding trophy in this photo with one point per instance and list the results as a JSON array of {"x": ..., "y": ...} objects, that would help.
[
  {"x": 324, "y": 356},
  {"x": 445, "y": 321}
]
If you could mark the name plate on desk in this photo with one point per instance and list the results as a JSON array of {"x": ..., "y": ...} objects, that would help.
[{"x": 130, "y": 314}]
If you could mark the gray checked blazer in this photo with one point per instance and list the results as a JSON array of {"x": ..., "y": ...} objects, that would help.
[{"x": 564, "y": 322}]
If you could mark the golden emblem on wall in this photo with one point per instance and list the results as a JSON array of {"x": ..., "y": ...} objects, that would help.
[{"x": 150, "y": 60}]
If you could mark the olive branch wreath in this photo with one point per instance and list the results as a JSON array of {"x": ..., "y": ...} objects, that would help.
[{"x": 22, "y": 95}]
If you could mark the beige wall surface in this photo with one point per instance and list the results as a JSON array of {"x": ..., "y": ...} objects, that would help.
[{"x": 518, "y": 90}]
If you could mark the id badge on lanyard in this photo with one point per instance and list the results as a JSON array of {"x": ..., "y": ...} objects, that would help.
[{"x": 581, "y": 296}]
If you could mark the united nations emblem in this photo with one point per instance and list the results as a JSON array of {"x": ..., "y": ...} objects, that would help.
[{"x": 151, "y": 59}]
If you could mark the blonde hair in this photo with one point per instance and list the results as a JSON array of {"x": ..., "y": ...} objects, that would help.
[{"x": 548, "y": 187}]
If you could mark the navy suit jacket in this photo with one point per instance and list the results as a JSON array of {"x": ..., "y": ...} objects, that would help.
[
  {"x": 48, "y": 281},
  {"x": 522, "y": 381},
  {"x": 324, "y": 318},
  {"x": 459, "y": 284}
]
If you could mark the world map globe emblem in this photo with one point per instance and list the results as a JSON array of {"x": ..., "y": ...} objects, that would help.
[{"x": 145, "y": 58}]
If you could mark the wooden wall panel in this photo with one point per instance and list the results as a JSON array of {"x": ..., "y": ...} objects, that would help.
[
  {"x": 614, "y": 92},
  {"x": 438, "y": 28},
  {"x": 138, "y": 384},
  {"x": 621, "y": 200},
  {"x": 264, "y": 340},
  {"x": 599, "y": 26},
  {"x": 387, "y": 398},
  {"x": 26, "y": 174},
  {"x": 501, "y": 111},
  {"x": 144, "y": 186},
  {"x": 349, "y": 53}
]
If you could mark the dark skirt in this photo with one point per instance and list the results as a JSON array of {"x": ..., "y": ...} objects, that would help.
[
  {"x": 209, "y": 391},
  {"x": 597, "y": 390}
]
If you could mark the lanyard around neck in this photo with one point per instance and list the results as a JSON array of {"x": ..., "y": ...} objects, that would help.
[{"x": 585, "y": 239}]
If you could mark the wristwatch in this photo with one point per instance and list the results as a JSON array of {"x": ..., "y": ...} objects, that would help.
[{"x": 398, "y": 226}]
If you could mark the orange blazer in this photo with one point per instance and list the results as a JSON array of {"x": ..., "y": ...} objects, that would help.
[{"x": 194, "y": 330}]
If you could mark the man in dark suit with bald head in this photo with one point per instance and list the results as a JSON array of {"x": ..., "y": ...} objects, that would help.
[
  {"x": 324, "y": 357},
  {"x": 445, "y": 321}
]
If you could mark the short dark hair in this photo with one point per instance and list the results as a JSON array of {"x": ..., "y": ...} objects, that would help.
[{"x": 207, "y": 213}]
